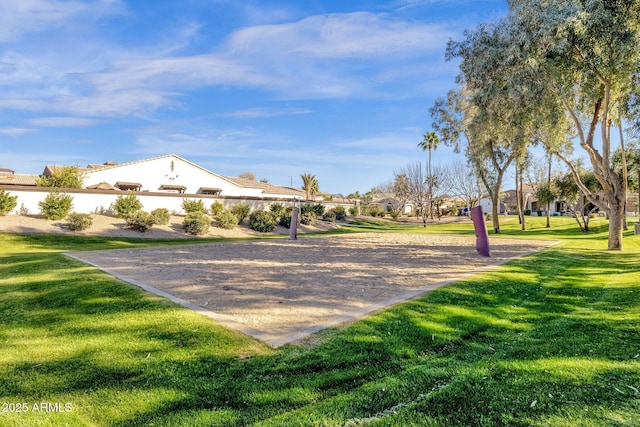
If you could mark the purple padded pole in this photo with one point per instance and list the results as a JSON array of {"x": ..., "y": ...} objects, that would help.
[
  {"x": 482, "y": 237},
  {"x": 293, "y": 229}
]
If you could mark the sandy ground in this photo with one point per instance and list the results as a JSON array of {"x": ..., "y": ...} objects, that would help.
[{"x": 282, "y": 290}]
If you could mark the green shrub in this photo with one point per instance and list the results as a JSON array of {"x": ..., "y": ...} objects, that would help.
[
  {"x": 277, "y": 210},
  {"x": 394, "y": 214},
  {"x": 190, "y": 206},
  {"x": 160, "y": 216},
  {"x": 127, "y": 204},
  {"x": 216, "y": 209},
  {"x": 341, "y": 213},
  {"x": 262, "y": 221},
  {"x": 7, "y": 202},
  {"x": 318, "y": 209},
  {"x": 241, "y": 210},
  {"x": 354, "y": 211},
  {"x": 227, "y": 220},
  {"x": 140, "y": 221},
  {"x": 285, "y": 220},
  {"x": 308, "y": 218},
  {"x": 79, "y": 221},
  {"x": 196, "y": 223},
  {"x": 56, "y": 205},
  {"x": 329, "y": 216}
]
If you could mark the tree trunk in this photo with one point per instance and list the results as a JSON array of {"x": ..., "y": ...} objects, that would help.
[{"x": 616, "y": 218}]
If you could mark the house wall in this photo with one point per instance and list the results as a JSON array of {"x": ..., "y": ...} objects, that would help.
[
  {"x": 153, "y": 173},
  {"x": 96, "y": 201}
]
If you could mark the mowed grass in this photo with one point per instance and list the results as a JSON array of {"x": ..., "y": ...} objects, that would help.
[{"x": 552, "y": 339}]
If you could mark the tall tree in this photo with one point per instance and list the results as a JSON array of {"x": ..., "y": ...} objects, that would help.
[
  {"x": 586, "y": 53},
  {"x": 429, "y": 143},
  {"x": 310, "y": 185}
]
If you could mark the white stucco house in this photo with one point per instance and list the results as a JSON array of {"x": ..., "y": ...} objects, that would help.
[{"x": 173, "y": 174}]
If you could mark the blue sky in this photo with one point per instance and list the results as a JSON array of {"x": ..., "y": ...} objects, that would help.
[{"x": 339, "y": 89}]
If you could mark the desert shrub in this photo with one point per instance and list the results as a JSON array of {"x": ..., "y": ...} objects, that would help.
[
  {"x": 241, "y": 210},
  {"x": 7, "y": 202},
  {"x": 354, "y": 211},
  {"x": 277, "y": 210},
  {"x": 329, "y": 216},
  {"x": 56, "y": 205},
  {"x": 160, "y": 216},
  {"x": 196, "y": 223},
  {"x": 394, "y": 214},
  {"x": 216, "y": 209},
  {"x": 227, "y": 220},
  {"x": 193, "y": 206},
  {"x": 285, "y": 220},
  {"x": 341, "y": 213},
  {"x": 24, "y": 211},
  {"x": 262, "y": 221},
  {"x": 79, "y": 221},
  {"x": 318, "y": 209},
  {"x": 140, "y": 221},
  {"x": 125, "y": 205},
  {"x": 308, "y": 218}
]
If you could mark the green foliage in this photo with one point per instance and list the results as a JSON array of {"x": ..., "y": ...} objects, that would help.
[
  {"x": 285, "y": 220},
  {"x": 227, "y": 220},
  {"x": 354, "y": 211},
  {"x": 277, "y": 209},
  {"x": 329, "y": 216},
  {"x": 241, "y": 210},
  {"x": 262, "y": 221},
  {"x": 160, "y": 216},
  {"x": 216, "y": 208},
  {"x": 309, "y": 185},
  {"x": 196, "y": 223},
  {"x": 62, "y": 177},
  {"x": 140, "y": 221},
  {"x": 126, "y": 204},
  {"x": 56, "y": 205},
  {"x": 308, "y": 218},
  {"x": 7, "y": 202},
  {"x": 79, "y": 221},
  {"x": 341, "y": 213},
  {"x": 194, "y": 206}
]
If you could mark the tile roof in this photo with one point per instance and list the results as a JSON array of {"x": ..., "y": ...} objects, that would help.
[{"x": 18, "y": 179}]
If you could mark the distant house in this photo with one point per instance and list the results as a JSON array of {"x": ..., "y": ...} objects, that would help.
[
  {"x": 9, "y": 177},
  {"x": 173, "y": 174}
]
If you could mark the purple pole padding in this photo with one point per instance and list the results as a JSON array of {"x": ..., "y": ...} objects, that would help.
[
  {"x": 482, "y": 237},
  {"x": 293, "y": 229}
]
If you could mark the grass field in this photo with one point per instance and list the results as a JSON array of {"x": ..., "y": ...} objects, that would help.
[{"x": 552, "y": 339}]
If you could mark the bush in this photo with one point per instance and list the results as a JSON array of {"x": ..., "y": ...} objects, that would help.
[
  {"x": 241, "y": 210},
  {"x": 318, "y": 209},
  {"x": 216, "y": 209},
  {"x": 190, "y": 206},
  {"x": 196, "y": 223},
  {"x": 160, "y": 216},
  {"x": 79, "y": 221},
  {"x": 262, "y": 221},
  {"x": 125, "y": 205},
  {"x": 277, "y": 210},
  {"x": 140, "y": 221},
  {"x": 308, "y": 218},
  {"x": 227, "y": 220},
  {"x": 56, "y": 205},
  {"x": 285, "y": 220},
  {"x": 329, "y": 216},
  {"x": 354, "y": 211},
  {"x": 7, "y": 202},
  {"x": 394, "y": 214},
  {"x": 341, "y": 213}
]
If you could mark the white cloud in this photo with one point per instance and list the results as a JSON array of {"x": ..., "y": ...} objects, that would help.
[
  {"x": 27, "y": 16},
  {"x": 266, "y": 112},
  {"x": 15, "y": 131},
  {"x": 63, "y": 122}
]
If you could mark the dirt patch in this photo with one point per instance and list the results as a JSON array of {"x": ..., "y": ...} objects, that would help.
[{"x": 282, "y": 290}]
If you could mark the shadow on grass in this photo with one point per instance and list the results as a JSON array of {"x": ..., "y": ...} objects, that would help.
[{"x": 548, "y": 339}]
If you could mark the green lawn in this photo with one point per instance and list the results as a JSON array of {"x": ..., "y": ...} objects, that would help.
[{"x": 548, "y": 340}]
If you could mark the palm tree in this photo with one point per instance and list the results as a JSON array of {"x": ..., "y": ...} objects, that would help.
[
  {"x": 309, "y": 185},
  {"x": 429, "y": 142}
]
